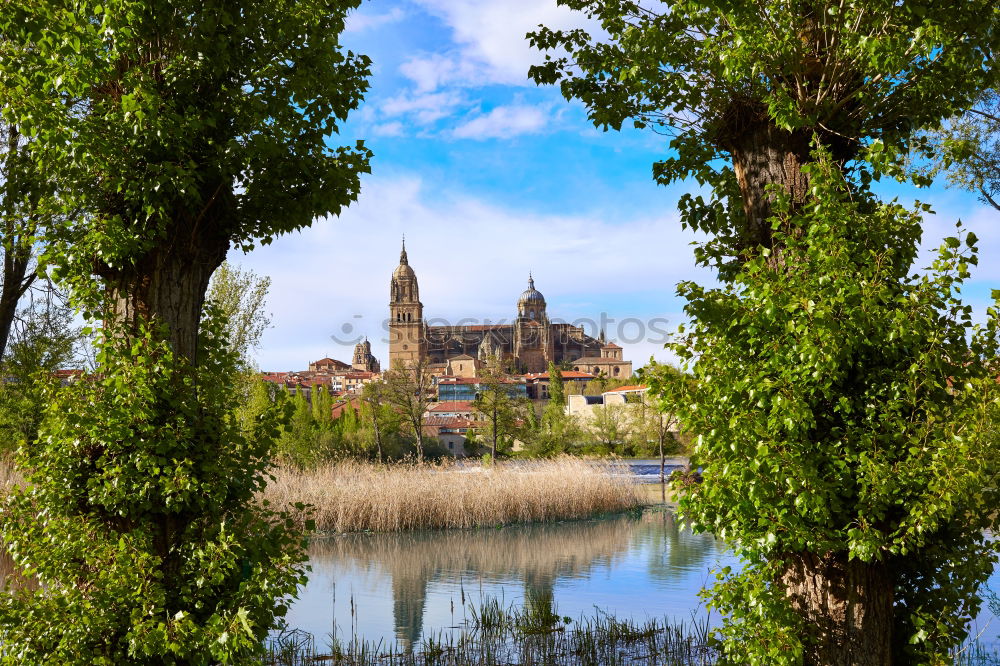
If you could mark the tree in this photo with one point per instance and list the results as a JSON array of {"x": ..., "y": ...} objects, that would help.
[
  {"x": 223, "y": 118},
  {"x": 19, "y": 225},
  {"x": 610, "y": 425},
  {"x": 502, "y": 414},
  {"x": 846, "y": 413},
  {"x": 44, "y": 339},
  {"x": 147, "y": 556},
  {"x": 241, "y": 295},
  {"x": 747, "y": 92},
  {"x": 408, "y": 389},
  {"x": 744, "y": 90},
  {"x": 177, "y": 129},
  {"x": 322, "y": 405},
  {"x": 378, "y": 415},
  {"x": 655, "y": 418},
  {"x": 967, "y": 149},
  {"x": 557, "y": 432}
]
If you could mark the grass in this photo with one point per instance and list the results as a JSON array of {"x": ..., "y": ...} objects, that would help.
[
  {"x": 358, "y": 496},
  {"x": 499, "y": 635}
]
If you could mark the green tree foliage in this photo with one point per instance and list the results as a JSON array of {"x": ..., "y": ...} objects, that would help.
[
  {"x": 44, "y": 339},
  {"x": 155, "y": 553},
  {"x": 221, "y": 114},
  {"x": 744, "y": 88},
  {"x": 408, "y": 389},
  {"x": 381, "y": 431},
  {"x": 610, "y": 428},
  {"x": 241, "y": 295},
  {"x": 746, "y": 91},
  {"x": 967, "y": 149},
  {"x": 654, "y": 421},
  {"x": 503, "y": 416},
  {"x": 845, "y": 411},
  {"x": 365, "y": 427},
  {"x": 171, "y": 130},
  {"x": 19, "y": 226},
  {"x": 556, "y": 432}
]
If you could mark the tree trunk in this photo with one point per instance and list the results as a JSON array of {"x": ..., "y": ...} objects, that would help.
[
  {"x": 765, "y": 155},
  {"x": 848, "y": 604},
  {"x": 167, "y": 285},
  {"x": 16, "y": 281},
  {"x": 378, "y": 432}
]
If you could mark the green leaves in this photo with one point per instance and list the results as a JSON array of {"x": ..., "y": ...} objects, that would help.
[
  {"x": 846, "y": 406},
  {"x": 140, "y": 522}
]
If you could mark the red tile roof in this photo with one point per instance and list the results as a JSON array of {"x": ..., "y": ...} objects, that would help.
[
  {"x": 448, "y": 422},
  {"x": 566, "y": 374},
  {"x": 624, "y": 389},
  {"x": 451, "y": 406},
  {"x": 340, "y": 407}
]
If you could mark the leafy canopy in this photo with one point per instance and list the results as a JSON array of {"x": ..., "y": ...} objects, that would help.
[
  {"x": 154, "y": 553},
  {"x": 146, "y": 112},
  {"x": 845, "y": 405},
  {"x": 727, "y": 79}
]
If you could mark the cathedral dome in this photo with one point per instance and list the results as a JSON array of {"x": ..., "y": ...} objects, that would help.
[
  {"x": 404, "y": 270},
  {"x": 531, "y": 296}
]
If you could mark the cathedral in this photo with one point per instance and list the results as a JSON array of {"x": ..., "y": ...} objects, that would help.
[{"x": 527, "y": 345}]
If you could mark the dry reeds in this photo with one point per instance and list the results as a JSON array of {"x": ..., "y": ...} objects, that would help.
[{"x": 358, "y": 496}]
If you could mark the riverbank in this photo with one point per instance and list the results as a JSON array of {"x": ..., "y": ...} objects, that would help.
[{"x": 358, "y": 496}]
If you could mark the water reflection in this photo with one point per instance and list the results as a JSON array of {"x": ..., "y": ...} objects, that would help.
[{"x": 421, "y": 582}]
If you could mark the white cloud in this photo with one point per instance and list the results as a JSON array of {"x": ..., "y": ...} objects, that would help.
[
  {"x": 422, "y": 108},
  {"x": 504, "y": 122},
  {"x": 472, "y": 258},
  {"x": 394, "y": 128},
  {"x": 491, "y": 38},
  {"x": 432, "y": 71},
  {"x": 360, "y": 21}
]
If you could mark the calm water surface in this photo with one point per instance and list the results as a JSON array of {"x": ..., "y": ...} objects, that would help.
[
  {"x": 404, "y": 587},
  {"x": 401, "y": 588}
]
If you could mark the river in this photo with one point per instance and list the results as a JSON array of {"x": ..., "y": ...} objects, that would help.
[{"x": 402, "y": 588}]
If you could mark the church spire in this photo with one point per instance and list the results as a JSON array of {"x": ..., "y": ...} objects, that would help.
[
  {"x": 531, "y": 281},
  {"x": 402, "y": 254}
]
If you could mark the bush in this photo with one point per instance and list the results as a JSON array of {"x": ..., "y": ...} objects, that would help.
[{"x": 139, "y": 522}]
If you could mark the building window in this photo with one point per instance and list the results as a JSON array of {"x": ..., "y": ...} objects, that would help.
[{"x": 616, "y": 371}]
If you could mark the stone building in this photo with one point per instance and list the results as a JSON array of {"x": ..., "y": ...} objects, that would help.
[
  {"x": 363, "y": 360},
  {"x": 527, "y": 344}
]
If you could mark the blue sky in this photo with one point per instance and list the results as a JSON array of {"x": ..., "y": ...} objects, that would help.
[{"x": 491, "y": 177}]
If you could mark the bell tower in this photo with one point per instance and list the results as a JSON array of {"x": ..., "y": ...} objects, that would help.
[
  {"x": 407, "y": 339},
  {"x": 533, "y": 347}
]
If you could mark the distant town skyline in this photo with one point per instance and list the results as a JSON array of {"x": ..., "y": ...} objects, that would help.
[{"x": 490, "y": 177}]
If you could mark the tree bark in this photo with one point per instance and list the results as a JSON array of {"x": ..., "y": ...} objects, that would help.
[
  {"x": 16, "y": 281},
  {"x": 763, "y": 155},
  {"x": 848, "y": 604},
  {"x": 167, "y": 284}
]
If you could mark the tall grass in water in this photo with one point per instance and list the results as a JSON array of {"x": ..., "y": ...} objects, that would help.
[
  {"x": 358, "y": 496},
  {"x": 505, "y": 636}
]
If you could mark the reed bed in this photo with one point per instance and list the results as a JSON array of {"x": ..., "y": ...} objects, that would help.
[
  {"x": 501, "y": 635},
  {"x": 358, "y": 496}
]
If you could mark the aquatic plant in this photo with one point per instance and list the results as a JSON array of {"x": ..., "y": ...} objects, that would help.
[{"x": 355, "y": 496}]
